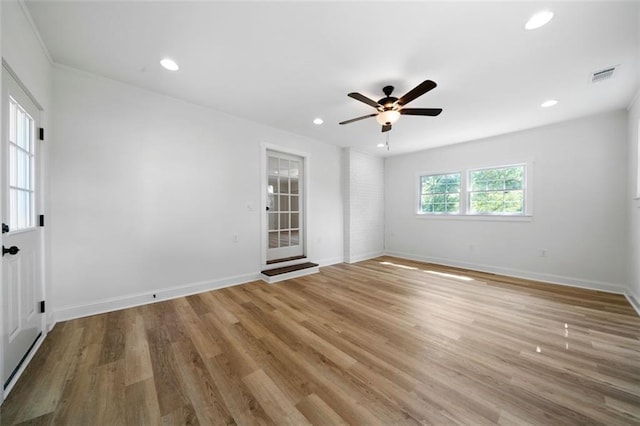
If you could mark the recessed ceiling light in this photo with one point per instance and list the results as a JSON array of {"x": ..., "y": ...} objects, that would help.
[
  {"x": 380, "y": 145},
  {"x": 318, "y": 121},
  {"x": 548, "y": 103},
  {"x": 169, "y": 64},
  {"x": 539, "y": 19}
]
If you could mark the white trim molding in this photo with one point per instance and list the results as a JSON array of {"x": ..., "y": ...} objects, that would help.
[
  {"x": 518, "y": 273},
  {"x": 328, "y": 261},
  {"x": 34, "y": 29},
  {"x": 364, "y": 256},
  {"x": 634, "y": 301},
  {"x": 113, "y": 304}
]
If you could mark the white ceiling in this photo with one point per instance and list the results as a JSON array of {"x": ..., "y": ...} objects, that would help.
[{"x": 285, "y": 63}]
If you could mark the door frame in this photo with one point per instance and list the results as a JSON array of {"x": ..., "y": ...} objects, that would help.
[
  {"x": 5, "y": 68},
  {"x": 264, "y": 147}
]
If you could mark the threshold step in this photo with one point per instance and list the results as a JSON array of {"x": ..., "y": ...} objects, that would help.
[
  {"x": 285, "y": 259},
  {"x": 288, "y": 272}
]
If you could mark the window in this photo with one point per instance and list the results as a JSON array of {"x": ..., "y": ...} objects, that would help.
[
  {"x": 21, "y": 162},
  {"x": 497, "y": 191},
  {"x": 440, "y": 193},
  {"x": 491, "y": 191}
]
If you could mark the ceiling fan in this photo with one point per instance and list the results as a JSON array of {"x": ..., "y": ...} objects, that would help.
[{"x": 391, "y": 108}]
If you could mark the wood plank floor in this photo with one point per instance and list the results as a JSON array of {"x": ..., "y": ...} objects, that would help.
[{"x": 385, "y": 341}]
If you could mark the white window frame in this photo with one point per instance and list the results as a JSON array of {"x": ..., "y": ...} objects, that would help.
[
  {"x": 464, "y": 214},
  {"x": 460, "y": 194},
  {"x": 468, "y": 191}
]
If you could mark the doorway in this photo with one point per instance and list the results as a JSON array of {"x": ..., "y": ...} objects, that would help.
[
  {"x": 22, "y": 319},
  {"x": 285, "y": 230}
]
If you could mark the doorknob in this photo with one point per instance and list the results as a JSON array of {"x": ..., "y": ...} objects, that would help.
[
  {"x": 5, "y": 228},
  {"x": 11, "y": 250}
]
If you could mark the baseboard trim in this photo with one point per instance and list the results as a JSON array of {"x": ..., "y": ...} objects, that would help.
[
  {"x": 517, "y": 273},
  {"x": 114, "y": 304},
  {"x": 328, "y": 261},
  {"x": 633, "y": 301},
  {"x": 363, "y": 256}
]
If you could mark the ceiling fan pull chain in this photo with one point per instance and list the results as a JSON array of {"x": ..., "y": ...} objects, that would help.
[{"x": 387, "y": 143}]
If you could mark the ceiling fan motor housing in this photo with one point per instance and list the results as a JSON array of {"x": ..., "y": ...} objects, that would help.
[{"x": 389, "y": 102}]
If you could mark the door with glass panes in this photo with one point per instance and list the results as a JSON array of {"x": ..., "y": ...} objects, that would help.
[
  {"x": 21, "y": 250},
  {"x": 285, "y": 230}
]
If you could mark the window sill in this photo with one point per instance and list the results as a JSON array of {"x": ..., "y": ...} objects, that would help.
[{"x": 476, "y": 217}]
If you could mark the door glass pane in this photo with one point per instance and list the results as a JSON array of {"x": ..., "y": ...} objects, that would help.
[
  {"x": 20, "y": 129},
  {"x": 284, "y": 168},
  {"x": 284, "y": 185},
  {"x": 294, "y": 169},
  {"x": 22, "y": 210},
  {"x": 13, "y": 157},
  {"x": 294, "y": 186},
  {"x": 284, "y": 238},
  {"x": 12, "y": 122},
  {"x": 294, "y": 203},
  {"x": 273, "y": 166},
  {"x": 295, "y": 238},
  {"x": 273, "y": 221},
  {"x": 284, "y": 220},
  {"x": 272, "y": 187},
  {"x": 19, "y": 167},
  {"x": 294, "y": 220},
  {"x": 273, "y": 239},
  {"x": 284, "y": 203}
]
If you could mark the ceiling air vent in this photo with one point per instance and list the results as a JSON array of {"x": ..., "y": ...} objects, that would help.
[{"x": 602, "y": 74}]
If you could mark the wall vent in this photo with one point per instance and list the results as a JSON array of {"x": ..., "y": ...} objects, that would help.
[{"x": 602, "y": 74}]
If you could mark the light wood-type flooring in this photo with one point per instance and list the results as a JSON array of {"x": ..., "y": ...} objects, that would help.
[{"x": 385, "y": 341}]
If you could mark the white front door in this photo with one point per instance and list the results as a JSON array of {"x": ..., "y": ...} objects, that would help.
[
  {"x": 285, "y": 218},
  {"x": 21, "y": 289}
]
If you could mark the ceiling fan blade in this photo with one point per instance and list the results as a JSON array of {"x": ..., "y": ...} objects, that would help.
[
  {"x": 419, "y": 90},
  {"x": 386, "y": 127},
  {"x": 362, "y": 98},
  {"x": 356, "y": 119},
  {"x": 421, "y": 111}
]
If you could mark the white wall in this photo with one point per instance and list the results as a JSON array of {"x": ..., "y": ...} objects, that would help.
[
  {"x": 579, "y": 184},
  {"x": 148, "y": 191},
  {"x": 364, "y": 205},
  {"x": 22, "y": 50},
  {"x": 634, "y": 202}
]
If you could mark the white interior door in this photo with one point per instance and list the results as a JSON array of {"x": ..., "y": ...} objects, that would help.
[
  {"x": 21, "y": 289},
  {"x": 285, "y": 218}
]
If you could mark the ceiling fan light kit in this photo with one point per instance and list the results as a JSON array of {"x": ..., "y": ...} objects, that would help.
[
  {"x": 389, "y": 109},
  {"x": 388, "y": 117}
]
